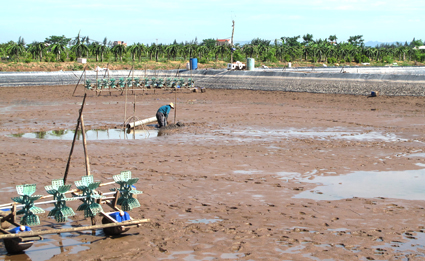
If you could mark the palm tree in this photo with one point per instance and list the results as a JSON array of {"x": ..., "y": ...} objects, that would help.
[
  {"x": 31, "y": 49},
  {"x": 96, "y": 49},
  {"x": 40, "y": 48},
  {"x": 118, "y": 50},
  {"x": 248, "y": 50},
  {"x": 262, "y": 49},
  {"x": 15, "y": 49},
  {"x": 133, "y": 49},
  {"x": 188, "y": 50},
  {"x": 79, "y": 47},
  {"x": 222, "y": 50},
  {"x": 201, "y": 50},
  {"x": 141, "y": 48},
  {"x": 173, "y": 50},
  {"x": 216, "y": 50},
  {"x": 2, "y": 51},
  {"x": 156, "y": 49},
  {"x": 57, "y": 49},
  {"x": 103, "y": 49}
]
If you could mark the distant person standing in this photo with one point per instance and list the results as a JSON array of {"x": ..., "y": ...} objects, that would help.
[{"x": 162, "y": 114}]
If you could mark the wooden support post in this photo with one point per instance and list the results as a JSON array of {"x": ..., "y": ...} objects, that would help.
[
  {"x": 73, "y": 141},
  {"x": 86, "y": 155},
  {"x": 233, "y": 31},
  {"x": 13, "y": 214},
  {"x": 114, "y": 203}
]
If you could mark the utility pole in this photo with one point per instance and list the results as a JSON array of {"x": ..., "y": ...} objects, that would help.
[{"x": 233, "y": 31}]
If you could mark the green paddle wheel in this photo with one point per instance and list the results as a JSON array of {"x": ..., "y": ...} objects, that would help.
[
  {"x": 61, "y": 211},
  {"x": 126, "y": 200},
  {"x": 88, "y": 187},
  {"x": 29, "y": 211}
]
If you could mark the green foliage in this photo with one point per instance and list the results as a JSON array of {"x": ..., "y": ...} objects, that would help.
[
  {"x": 332, "y": 38},
  {"x": 287, "y": 58},
  {"x": 63, "y": 57},
  {"x": 52, "y": 40},
  {"x": 420, "y": 57},
  {"x": 361, "y": 58},
  {"x": 307, "y": 39},
  {"x": 348, "y": 59},
  {"x": 332, "y": 60},
  {"x": 387, "y": 59},
  {"x": 416, "y": 43},
  {"x": 209, "y": 42},
  {"x": 72, "y": 57},
  {"x": 291, "y": 41},
  {"x": 258, "y": 41},
  {"x": 356, "y": 40},
  {"x": 271, "y": 56},
  {"x": 28, "y": 60},
  {"x": 238, "y": 56}
]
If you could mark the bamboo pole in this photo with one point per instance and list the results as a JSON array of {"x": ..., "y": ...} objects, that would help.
[
  {"x": 134, "y": 115},
  {"x": 125, "y": 109},
  {"x": 85, "y": 79},
  {"x": 73, "y": 141},
  {"x": 78, "y": 81},
  {"x": 97, "y": 83},
  {"x": 73, "y": 229},
  {"x": 132, "y": 77},
  {"x": 175, "y": 106},
  {"x": 86, "y": 155}
]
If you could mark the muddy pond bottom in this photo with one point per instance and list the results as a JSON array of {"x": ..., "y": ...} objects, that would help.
[
  {"x": 96, "y": 134},
  {"x": 406, "y": 184}
]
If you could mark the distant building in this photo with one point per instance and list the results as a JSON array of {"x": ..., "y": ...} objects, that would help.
[
  {"x": 224, "y": 42},
  {"x": 119, "y": 42}
]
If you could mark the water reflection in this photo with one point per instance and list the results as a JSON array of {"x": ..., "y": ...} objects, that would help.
[
  {"x": 96, "y": 134},
  {"x": 406, "y": 184}
]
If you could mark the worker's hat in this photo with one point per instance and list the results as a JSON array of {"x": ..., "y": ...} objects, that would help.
[{"x": 172, "y": 105}]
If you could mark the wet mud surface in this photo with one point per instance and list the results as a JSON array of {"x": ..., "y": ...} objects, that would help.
[{"x": 231, "y": 183}]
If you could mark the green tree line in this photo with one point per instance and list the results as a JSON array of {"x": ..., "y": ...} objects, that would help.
[{"x": 283, "y": 49}]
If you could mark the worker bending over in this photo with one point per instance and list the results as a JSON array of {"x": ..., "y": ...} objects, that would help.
[{"x": 162, "y": 114}]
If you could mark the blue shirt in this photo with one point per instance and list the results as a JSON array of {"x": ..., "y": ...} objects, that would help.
[{"x": 165, "y": 110}]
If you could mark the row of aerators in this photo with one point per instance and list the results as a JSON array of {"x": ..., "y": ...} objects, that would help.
[
  {"x": 22, "y": 237},
  {"x": 146, "y": 82}
]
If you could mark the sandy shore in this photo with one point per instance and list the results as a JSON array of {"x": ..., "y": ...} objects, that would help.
[{"x": 240, "y": 180}]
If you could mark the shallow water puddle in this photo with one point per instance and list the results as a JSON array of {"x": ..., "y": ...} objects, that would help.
[
  {"x": 205, "y": 221},
  {"x": 52, "y": 245},
  {"x": 411, "y": 244},
  {"x": 406, "y": 184},
  {"x": 326, "y": 134},
  {"x": 97, "y": 134}
]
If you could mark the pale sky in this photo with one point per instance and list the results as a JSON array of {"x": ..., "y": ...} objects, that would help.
[{"x": 166, "y": 20}]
